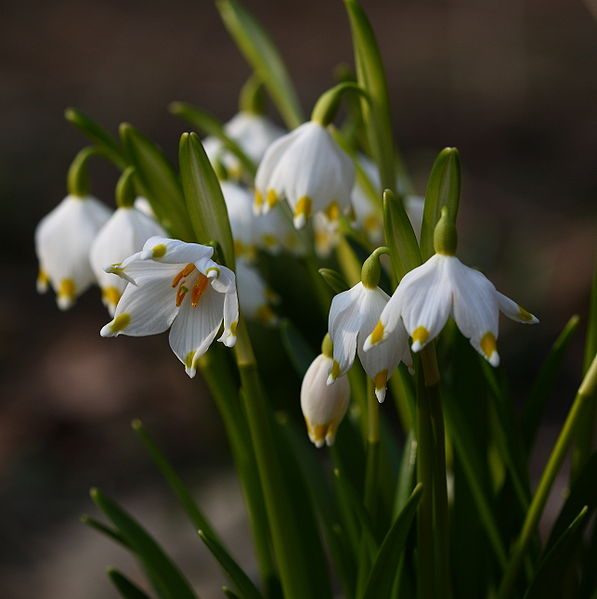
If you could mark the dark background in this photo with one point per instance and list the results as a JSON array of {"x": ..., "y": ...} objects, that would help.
[{"x": 511, "y": 84}]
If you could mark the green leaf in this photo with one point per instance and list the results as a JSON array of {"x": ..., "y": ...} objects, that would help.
[
  {"x": 383, "y": 573},
  {"x": 535, "y": 405},
  {"x": 591, "y": 340},
  {"x": 263, "y": 56},
  {"x": 170, "y": 582},
  {"x": 185, "y": 498},
  {"x": 334, "y": 279},
  {"x": 157, "y": 181},
  {"x": 209, "y": 125},
  {"x": 236, "y": 574},
  {"x": 105, "y": 530},
  {"x": 443, "y": 189},
  {"x": 406, "y": 476},
  {"x": 230, "y": 594},
  {"x": 299, "y": 351},
  {"x": 98, "y": 135},
  {"x": 400, "y": 237},
  {"x": 203, "y": 195},
  {"x": 126, "y": 588},
  {"x": 551, "y": 573},
  {"x": 376, "y": 110}
]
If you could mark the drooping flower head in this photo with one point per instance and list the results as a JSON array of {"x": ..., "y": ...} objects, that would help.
[
  {"x": 443, "y": 287},
  {"x": 176, "y": 284},
  {"x": 62, "y": 242},
  {"x": 323, "y": 405},
  {"x": 353, "y": 314},
  {"x": 308, "y": 169},
  {"x": 124, "y": 234}
]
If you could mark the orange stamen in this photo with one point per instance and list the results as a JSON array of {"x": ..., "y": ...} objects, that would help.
[
  {"x": 187, "y": 270},
  {"x": 199, "y": 289}
]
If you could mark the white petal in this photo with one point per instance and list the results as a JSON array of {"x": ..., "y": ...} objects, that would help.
[
  {"x": 194, "y": 328},
  {"x": 173, "y": 251},
  {"x": 424, "y": 297},
  {"x": 253, "y": 132},
  {"x": 253, "y": 294},
  {"x": 512, "y": 310},
  {"x": 476, "y": 309},
  {"x": 226, "y": 284},
  {"x": 146, "y": 309},
  {"x": 344, "y": 323}
]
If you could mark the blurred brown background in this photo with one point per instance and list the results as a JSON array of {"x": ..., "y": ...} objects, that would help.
[{"x": 511, "y": 84}]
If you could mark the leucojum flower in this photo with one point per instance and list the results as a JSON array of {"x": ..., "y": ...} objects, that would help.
[
  {"x": 323, "y": 405},
  {"x": 353, "y": 314},
  {"x": 62, "y": 242},
  {"x": 176, "y": 284},
  {"x": 443, "y": 287}
]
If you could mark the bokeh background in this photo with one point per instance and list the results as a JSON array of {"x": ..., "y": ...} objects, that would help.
[{"x": 511, "y": 84}]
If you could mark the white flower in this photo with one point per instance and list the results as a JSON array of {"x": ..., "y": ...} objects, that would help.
[
  {"x": 306, "y": 167},
  {"x": 62, "y": 241},
  {"x": 254, "y": 133},
  {"x": 173, "y": 283},
  {"x": 253, "y": 295},
  {"x": 270, "y": 232},
  {"x": 123, "y": 235},
  {"x": 325, "y": 234},
  {"x": 323, "y": 405},
  {"x": 444, "y": 287},
  {"x": 353, "y": 314},
  {"x": 142, "y": 204}
]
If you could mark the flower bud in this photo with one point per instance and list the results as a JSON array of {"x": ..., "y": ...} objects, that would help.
[{"x": 323, "y": 405}]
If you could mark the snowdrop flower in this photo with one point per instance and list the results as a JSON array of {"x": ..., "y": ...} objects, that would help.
[
  {"x": 124, "y": 234},
  {"x": 443, "y": 287},
  {"x": 253, "y": 294},
  {"x": 306, "y": 167},
  {"x": 176, "y": 284},
  {"x": 353, "y": 314},
  {"x": 62, "y": 242},
  {"x": 323, "y": 405},
  {"x": 253, "y": 132}
]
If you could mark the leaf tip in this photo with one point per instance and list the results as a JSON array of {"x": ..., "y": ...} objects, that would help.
[{"x": 136, "y": 424}]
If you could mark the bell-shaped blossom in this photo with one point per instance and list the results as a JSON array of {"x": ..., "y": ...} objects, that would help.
[
  {"x": 309, "y": 170},
  {"x": 323, "y": 405},
  {"x": 123, "y": 235},
  {"x": 443, "y": 287},
  {"x": 62, "y": 242},
  {"x": 176, "y": 284},
  {"x": 254, "y": 296},
  {"x": 353, "y": 314},
  {"x": 254, "y": 133}
]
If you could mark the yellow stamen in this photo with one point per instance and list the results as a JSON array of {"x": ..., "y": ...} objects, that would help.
[
  {"x": 333, "y": 211},
  {"x": 420, "y": 334},
  {"x": 187, "y": 270},
  {"x": 381, "y": 378},
  {"x": 199, "y": 289},
  {"x": 271, "y": 198},
  {"x": 303, "y": 207},
  {"x": 111, "y": 295},
  {"x": 67, "y": 289},
  {"x": 488, "y": 344},
  {"x": 121, "y": 322},
  {"x": 377, "y": 334},
  {"x": 158, "y": 251}
]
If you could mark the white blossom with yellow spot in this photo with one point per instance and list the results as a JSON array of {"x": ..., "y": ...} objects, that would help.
[
  {"x": 176, "y": 284},
  {"x": 124, "y": 234},
  {"x": 443, "y": 287},
  {"x": 353, "y": 314},
  {"x": 62, "y": 242},
  {"x": 308, "y": 169}
]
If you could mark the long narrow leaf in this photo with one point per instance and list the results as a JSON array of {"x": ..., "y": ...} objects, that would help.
[
  {"x": 203, "y": 196},
  {"x": 126, "y": 588},
  {"x": 300, "y": 353},
  {"x": 172, "y": 583},
  {"x": 237, "y": 575},
  {"x": 263, "y": 56},
  {"x": 383, "y": 572},
  {"x": 105, "y": 530},
  {"x": 157, "y": 181}
]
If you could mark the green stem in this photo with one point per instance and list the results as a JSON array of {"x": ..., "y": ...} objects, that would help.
[
  {"x": 297, "y": 583},
  {"x": 372, "y": 471},
  {"x": 77, "y": 179},
  {"x": 585, "y": 394}
]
